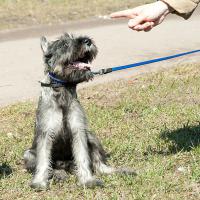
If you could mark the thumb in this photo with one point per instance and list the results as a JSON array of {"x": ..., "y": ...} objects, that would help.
[{"x": 136, "y": 21}]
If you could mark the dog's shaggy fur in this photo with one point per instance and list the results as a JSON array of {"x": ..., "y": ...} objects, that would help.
[{"x": 62, "y": 139}]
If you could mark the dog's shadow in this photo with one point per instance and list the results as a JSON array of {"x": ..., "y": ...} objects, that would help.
[
  {"x": 5, "y": 170},
  {"x": 182, "y": 139}
]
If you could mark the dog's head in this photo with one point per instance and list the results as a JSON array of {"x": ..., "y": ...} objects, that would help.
[{"x": 68, "y": 51}]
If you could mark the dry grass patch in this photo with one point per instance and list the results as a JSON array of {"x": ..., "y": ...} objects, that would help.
[
  {"x": 150, "y": 123},
  {"x": 22, "y": 13}
]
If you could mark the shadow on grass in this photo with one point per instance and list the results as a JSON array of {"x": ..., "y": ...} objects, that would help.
[
  {"x": 182, "y": 139},
  {"x": 5, "y": 170}
]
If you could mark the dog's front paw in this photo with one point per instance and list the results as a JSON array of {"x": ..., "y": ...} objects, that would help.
[
  {"x": 92, "y": 183},
  {"x": 39, "y": 186}
]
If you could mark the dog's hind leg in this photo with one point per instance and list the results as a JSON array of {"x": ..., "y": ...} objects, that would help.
[
  {"x": 98, "y": 156},
  {"x": 59, "y": 175},
  {"x": 29, "y": 158}
]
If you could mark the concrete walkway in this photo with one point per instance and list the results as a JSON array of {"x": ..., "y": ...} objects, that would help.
[{"x": 21, "y": 59}]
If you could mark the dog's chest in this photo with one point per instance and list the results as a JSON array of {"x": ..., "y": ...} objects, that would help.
[
  {"x": 52, "y": 117},
  {"x": 54, "y": 120}
]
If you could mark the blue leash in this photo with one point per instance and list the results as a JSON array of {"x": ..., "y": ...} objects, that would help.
[
  {"x": 109, "y": 70},
  {"x": 55, "y": 82}
]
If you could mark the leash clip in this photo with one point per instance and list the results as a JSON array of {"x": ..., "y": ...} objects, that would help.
[{"x": 103, "y": 71}]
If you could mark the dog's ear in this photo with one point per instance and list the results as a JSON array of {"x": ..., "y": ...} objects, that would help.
[{"x": 44, "y": 44}]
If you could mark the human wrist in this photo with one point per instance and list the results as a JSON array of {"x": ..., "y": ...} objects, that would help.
[
  {"x": 162, "y": 5},
  {"x": 168, "y": 9}
]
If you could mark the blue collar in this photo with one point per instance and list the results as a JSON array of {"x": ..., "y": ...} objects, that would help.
[{"x": 54, "y": 82}]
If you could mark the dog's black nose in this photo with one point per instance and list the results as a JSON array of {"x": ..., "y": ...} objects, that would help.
[{"x": 87, "y": 41}]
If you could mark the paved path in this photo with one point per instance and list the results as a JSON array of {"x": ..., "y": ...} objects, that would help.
[{"x": 21, "y": 63}]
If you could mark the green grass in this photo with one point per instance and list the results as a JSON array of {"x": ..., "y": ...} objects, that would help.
[
  {"x": 150, "y": 123},
  {"x": 23, "y": 13}
]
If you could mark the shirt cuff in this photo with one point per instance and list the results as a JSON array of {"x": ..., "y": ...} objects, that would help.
[{"x": 183, "y": 8}]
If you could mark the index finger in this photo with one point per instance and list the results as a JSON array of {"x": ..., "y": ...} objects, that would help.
[{"x": 123, "y": 14}]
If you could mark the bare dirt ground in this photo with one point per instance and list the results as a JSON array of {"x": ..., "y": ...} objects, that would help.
[
  {"x": 26, "y": 13},
  {"x": 21, "y": 61}
]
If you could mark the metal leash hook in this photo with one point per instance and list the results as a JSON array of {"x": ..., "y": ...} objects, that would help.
[
  {"x": 109, "y": 70},
  {"x": 102, "y": 71}
]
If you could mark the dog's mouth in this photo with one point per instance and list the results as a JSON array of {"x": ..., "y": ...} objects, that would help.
[
  {"x": 83, "y": 62},
  {"x": 81, "y": 65}
]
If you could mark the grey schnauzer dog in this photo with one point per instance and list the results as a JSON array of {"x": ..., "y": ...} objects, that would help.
[{"x": 62, "y": 140}]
